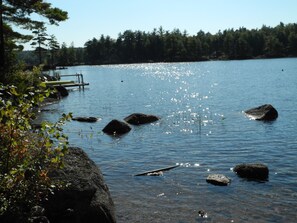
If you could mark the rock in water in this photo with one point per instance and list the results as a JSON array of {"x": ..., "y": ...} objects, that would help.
[
  {"x": 116, "y": 127},
  {"x": 202, "y": 214},
  {"x": 85, "y": 119},
  {"x": 264, "y": 112},
  {"x": 140, "y": 119},
  {"x": 218, "y": 179},
  {"x": 62, "y": 91},
  {"x": 86, "y": 199},
  {"x": 252, "y": 171}
]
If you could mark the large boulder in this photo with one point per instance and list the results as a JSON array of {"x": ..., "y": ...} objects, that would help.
[
  {"x": 252, "y": 171},
  {"x": 139, "y": 119},
  {"x": 86, "y": 199},
  {"x": 116, "y": 127},
  {"x": 264, "y": 112}
]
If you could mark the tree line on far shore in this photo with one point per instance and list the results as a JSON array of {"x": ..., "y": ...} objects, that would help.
[{"x": 176, "y": 46}]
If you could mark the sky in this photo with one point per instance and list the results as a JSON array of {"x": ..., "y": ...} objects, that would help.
[{"x": 92, "y": 18}]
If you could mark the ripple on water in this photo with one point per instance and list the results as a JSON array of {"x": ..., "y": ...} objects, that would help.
[{"x": 202, "y": 128}]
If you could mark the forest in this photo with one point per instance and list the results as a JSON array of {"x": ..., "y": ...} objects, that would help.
[{"x": 160, "y": 45}]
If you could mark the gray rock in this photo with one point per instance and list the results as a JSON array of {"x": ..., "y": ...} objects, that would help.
[
  {"x": 252, "y": 171},
  {"x": 264, "y": 113},
  {"x": 218, "y": 179},
  {"x": 139, "y": 119},
  {"x": 116, "y": 127},
  {"x": 86, "y": 199}
]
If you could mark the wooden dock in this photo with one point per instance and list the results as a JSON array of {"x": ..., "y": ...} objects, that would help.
[{"x": 79, "y": 82}]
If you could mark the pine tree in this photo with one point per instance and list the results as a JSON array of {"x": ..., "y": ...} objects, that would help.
[
  {"x": 17, "y": 13},
  {"x": 54, "y": 48},
  {"x": 39, "y": 41}
]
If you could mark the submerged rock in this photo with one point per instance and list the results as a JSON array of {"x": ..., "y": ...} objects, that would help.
[
  {"x": 139, "y": 119},
  {"x": 218, "y": 179},
  {"x": 86, "y": 199},
  {"x": 252, "y": 171},
  {"x": 264, "y": 112},
  {"x": 85, "y": 119},
  {"x": 116, "y": 127}
]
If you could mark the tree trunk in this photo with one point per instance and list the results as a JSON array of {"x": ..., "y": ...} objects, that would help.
[{"x": 2, "y": 51}]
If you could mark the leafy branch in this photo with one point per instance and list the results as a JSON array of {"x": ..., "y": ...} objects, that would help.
[{"x": 27, "y": 155}]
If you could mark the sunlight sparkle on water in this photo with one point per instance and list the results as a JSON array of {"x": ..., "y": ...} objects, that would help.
[
  {"x": 161, "y": 195},
  {"x": 203, "y": 100},
  {"x": 188, "y": 164}
]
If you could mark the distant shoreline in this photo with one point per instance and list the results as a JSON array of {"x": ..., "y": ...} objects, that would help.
[
  {"x": 160, "y": 45},
  {"x": 57, "y": 68}
]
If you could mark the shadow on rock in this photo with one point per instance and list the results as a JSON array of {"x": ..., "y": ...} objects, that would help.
[
  {"x": 116, "y": 128},
  {"x": 263, "y": 113},
  {"x": 86, "y": 199},
  {"x": 140, "y": 119},
  {"x": 256, "y": 171}
]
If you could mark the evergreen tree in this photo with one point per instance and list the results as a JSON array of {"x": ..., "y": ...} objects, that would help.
[
  {"x": 40, "y": 41},
  {"x": 91, "y": 52},
  {"x": 160, "y": 45},
  {"x": 18, "y": 13},
  {"x": 71, "y": 54},
  {"x": 54, "y": 48},
  {"x": 63, "y": 55}
]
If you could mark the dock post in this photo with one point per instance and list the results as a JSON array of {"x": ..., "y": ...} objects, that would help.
[
  {"x": 78, "y": 80},
  {"x": 82, "y": 81}
]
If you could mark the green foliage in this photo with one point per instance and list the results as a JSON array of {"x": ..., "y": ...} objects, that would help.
[
  {"x": 27, "y": 155},
  {"x": 19, "y": 14},
  {"x": 63, "y": 54},
  {"x": 39, "y": 41},
  {"x": 54, "y": 48},
  {"x": 22, "y": 79},
  {"x": 176, "y": 46},
  {"x": 160, "y": 45}
]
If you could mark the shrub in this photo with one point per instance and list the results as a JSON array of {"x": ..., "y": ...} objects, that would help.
[
  {"x": 26, "y": 155},
  {"x": 22, "y": 79}
]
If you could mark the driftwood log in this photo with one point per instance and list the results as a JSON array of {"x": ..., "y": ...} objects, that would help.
[{"x": 156, "y": 172}]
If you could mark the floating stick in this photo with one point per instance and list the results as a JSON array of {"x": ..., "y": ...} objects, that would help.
[{"x": 157, "y": 170}]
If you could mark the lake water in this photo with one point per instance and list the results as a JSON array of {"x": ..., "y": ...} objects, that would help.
[{"x": 202, "y": 128}]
